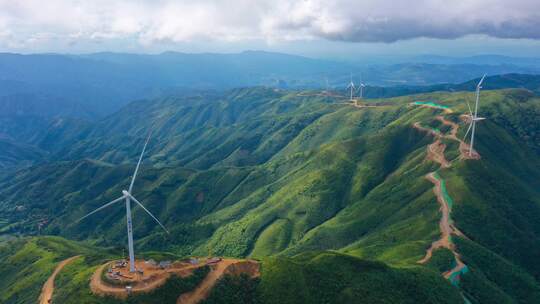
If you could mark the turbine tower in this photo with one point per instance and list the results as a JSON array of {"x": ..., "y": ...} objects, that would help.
[
  {"x": 327, "y": 91},
  {"x": 474, "y": 116},
  {"x": 352, "y": 87},
  {"x": 128, "y": 197},
  {"x": 362, "y": 86}
]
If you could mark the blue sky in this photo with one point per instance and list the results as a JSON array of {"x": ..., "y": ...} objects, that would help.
[{"x": 331, "y": 29}]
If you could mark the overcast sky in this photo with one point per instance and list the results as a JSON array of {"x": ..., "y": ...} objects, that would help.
[{"x": 329, "y": 28}]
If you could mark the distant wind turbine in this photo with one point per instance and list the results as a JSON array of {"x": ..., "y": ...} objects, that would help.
[
  {"x": 126, "y": 195},
  {"x": 352, "y": 87},
  {"x": 474, "y": 116},
  {"x": 362, "y": 86},
  {"x": 327, "y": 86}
]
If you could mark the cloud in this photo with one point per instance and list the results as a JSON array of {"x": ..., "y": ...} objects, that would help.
[{"x": 31, "y": 22}]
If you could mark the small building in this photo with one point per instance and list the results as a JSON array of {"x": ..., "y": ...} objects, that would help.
[
  {"x": 151, "y": 262},
  {"x": 120, "y": 264},
  {"x": 165, "y": 264},
  {"x": 193, "y": 261}
]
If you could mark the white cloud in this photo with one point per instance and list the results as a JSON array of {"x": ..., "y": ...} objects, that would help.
[{"x": 35, "y": 21}]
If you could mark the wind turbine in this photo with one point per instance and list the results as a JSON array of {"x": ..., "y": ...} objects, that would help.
[
  {"x": 362, "y": 86},
  {"x": 474, "y": 117},
  {"x": 126, "y": 195},
  {"x": 352, "y": 87},
  {"x": 327, "y": 91}
]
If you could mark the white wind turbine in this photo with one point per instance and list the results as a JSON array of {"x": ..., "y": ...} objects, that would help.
[
  {"x": 362, "y": 86},
  {"x": 352, "y": 87},
  {"x": 474, "y": 116},
  {"x": 327, "y": 86},
  {"x": 126, "y": 195}
]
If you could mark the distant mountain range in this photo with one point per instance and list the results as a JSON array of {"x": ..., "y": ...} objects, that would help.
[
  {"x": 95, "y": 85},
  {"x": 478, "y": 60}
]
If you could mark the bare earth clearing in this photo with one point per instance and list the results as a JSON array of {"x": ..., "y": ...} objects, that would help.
[{"x": 155, "y": 277}]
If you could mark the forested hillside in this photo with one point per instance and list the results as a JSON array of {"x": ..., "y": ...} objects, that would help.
[{"x": 264, "y": 172}]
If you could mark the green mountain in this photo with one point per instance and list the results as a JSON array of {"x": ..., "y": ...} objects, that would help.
[
  {"x": 37, "y": 121},
  {"x": 312, "y": 186}
]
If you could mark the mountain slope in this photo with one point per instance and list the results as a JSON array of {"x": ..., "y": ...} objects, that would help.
[{"x": 259, "y": 172}]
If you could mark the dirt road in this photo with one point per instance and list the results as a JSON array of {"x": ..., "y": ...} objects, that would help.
[
  {"x": 158, "y": 277},
  {"x": 435, "y": 152},
  {"x": 101, "y": 288},
  {"x": 48, "y": 288},
  {"x": 202, "y": 291},
  {"x": 446, "y": 228}
]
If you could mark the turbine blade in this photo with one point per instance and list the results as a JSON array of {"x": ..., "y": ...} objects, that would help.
[
  {"x": 101, "y": 208},
  {"x": 470, "y": 110},
  {"x": 149, "y": 213},
  {"x": 481, "y": 80},
  {"x": 139, "y": 162},
  {"x": 469, "y": 129}
]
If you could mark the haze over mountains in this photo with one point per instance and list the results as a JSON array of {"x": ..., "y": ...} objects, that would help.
[{"x": 94, "y": 85}]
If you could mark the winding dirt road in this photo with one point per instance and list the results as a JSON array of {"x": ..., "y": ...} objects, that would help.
[
  {"x": 102, "y": 288},
  {"x": 445, "y": 225},
  {"x": 48, "y": 288},
  {"x": 435, "y": 152},
  {"x": 224, "y": 266}
]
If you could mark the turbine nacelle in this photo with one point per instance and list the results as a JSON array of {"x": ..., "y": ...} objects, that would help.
[
  {"x": 471, "y": 118},
  {"x": 125, "y": 193}
]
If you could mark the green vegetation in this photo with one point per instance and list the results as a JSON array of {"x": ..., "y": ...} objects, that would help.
[
  {"x": 27, "y": 263},
  {"x": 330, "y": 277},
  {"x": 235, "y": 289},
  {"x": 442, "y": 260},
  {"x": 169, "y": 292},
  {"x": 451, "y": 151},
  {"x": 273, "y": 175}
]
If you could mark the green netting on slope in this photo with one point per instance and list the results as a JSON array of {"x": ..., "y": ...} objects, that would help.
[
  {"x": 431, "y": 104},
  {"x": 444, "y": 191},
  {"x": 446, "y": 196},
  {"x": 455, "y": 276}
]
